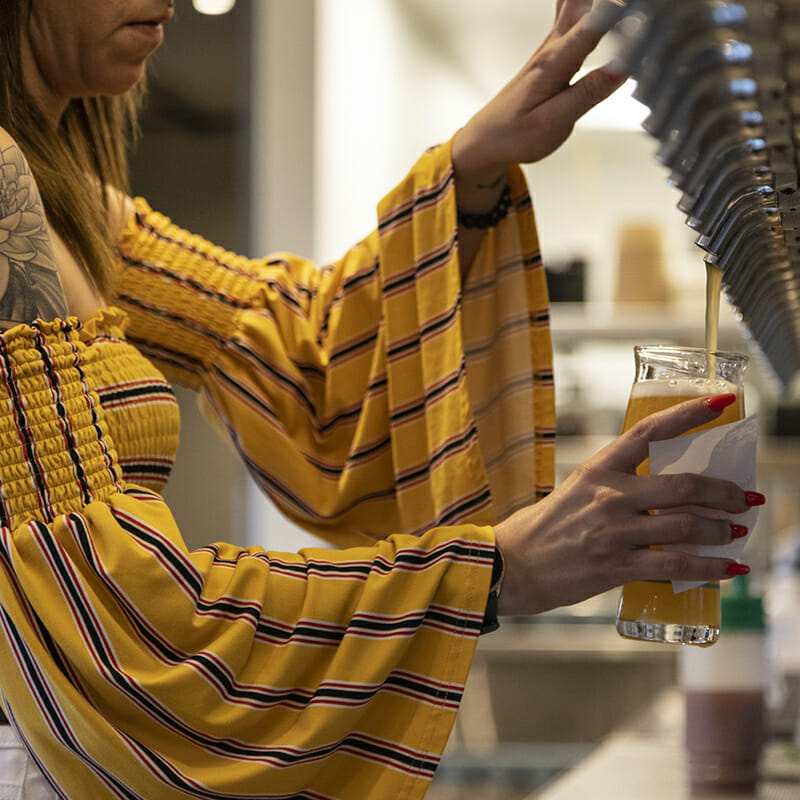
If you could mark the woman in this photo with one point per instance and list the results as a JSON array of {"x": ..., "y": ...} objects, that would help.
[{"x": 403, "y": 390}]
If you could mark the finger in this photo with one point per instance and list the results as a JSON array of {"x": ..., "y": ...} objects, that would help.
[
  {"x": 681, "y": 528},
  {"x": 674, "y": 565},
  {"x": 664, "y": 492},
  {"x": 568, "y": 12},
  {"x": 577, "y": 41},
  {"x": 573, "y": 102},
  {"x": 556, "y": 63},
  {"x": 632, "y": 447}
]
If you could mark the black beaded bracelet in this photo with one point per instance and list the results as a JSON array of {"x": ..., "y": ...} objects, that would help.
[{"x": 489, "y": 218}]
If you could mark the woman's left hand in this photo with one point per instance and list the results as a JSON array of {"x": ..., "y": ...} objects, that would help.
[{"x": 537, "y": 110}]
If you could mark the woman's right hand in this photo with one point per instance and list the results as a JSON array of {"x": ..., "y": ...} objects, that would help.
[{"x": 594, "y": 531}]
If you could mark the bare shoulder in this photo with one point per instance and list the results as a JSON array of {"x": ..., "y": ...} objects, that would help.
[
  {"x": 30, "y": 287},
  {"x": 6, "y": 139}
]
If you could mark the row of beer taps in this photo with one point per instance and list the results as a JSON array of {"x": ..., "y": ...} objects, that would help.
[{"x": 721, "y": 79}]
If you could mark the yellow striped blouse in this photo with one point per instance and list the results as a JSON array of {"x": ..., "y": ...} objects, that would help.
[{"x": 380, "y": 401}]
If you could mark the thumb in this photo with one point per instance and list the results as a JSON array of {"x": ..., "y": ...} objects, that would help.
[{"x": 632, "y": 447}]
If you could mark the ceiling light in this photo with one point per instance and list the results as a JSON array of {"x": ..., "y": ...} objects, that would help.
[{"x": 213, "y": 6}]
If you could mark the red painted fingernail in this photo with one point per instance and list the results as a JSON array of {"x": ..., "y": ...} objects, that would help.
[
  {"x": 720, "y": 401},
  {"x": 754, "y": 499},
  {"x": 733, "y": 569},
  {"x": 616, "y": 77},
  {"x": 738, "y": 531}
]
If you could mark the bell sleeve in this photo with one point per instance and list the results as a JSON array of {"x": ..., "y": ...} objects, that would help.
[
  {"x": 375, "y": 395},
  {"x": 135, "y": 669}
]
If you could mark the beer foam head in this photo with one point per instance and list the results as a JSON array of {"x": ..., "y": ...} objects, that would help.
[{"x": 683, "y": 387}]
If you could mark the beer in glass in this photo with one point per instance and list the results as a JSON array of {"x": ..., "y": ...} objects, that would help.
[{"x": 665, "y": 376}]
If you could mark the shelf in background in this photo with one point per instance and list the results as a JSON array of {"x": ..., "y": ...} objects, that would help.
[{"x": 574, "y": 322}]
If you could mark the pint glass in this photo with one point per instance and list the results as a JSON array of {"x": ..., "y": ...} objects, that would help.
[{"x": 665, "y": 376}]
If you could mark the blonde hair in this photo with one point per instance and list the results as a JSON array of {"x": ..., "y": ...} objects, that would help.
[{"x": 75, "y": 163}]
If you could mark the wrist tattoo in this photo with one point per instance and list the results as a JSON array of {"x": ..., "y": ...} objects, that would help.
[
  {"x": 30, "y": 286},
  {"x": 494, "y": 184}
]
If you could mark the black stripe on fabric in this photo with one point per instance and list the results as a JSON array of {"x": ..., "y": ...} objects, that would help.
[
  {"x": 333, "y": 569},
  {"x": 428, "y": 330},
  {"x": 41, "y": 691},
  {"x": 438, "y": 693},
  {"x": 151, "y": 390},
  {"x": 354, "y": 280},
  {"x": 48, "y": 641},
  {"x": 416, "y": 763},
  {"x": 360, "y": 455},
  {"x": 353, "y": 742},
  {"x": 52, "y": 648},
  {"x": 272, "y": 283},
  {"x": 139, "y": 468},
  {"x": 452, "y": 548},
  {"x": 348, "y": 285},
  {"x": 107, "y": 457},
  {"x": 140, "y": 493},
  {"x": 423, "y": 198},
  {"x": 5, "y": 522},
  {"x": 443, "y": 388},
  {"x": 462, "y": 508},
  {"x": 415, "y": 559},
  {"x": 453, "y": 621},
  {"x": 504, "y": 390},
  {"x": 461, "y": 441},
  {"x": 228, "y": 606},
  {"x": 182, "y": 322},
  {"x": 386, "y": 626},
  {"x": 354, "y": 413},
  {"x": 228, "y": 747},
  {"x": 298, "y": 390},
  {"x": 18, "y": 409},
  {"x": 540, "y": 317},
  {"x": 524, "y": 262},
  {"x": 360, "y": 344},
  {"x": 185, "y": 280},
  {"x": 487, "y": 345},
  {"x": 334, "y": 471},
  {"x": 410, "y": 277},
  {"x": 347, "y": 569},
  {"x": 123, "y": 683},
  {"x": 349, "y": 415},
  {"x": 362, "y": 695},
  {"x": 273, "y": 487},
  {"x": 167, "y": 554},
  {"x": 66, "y": 425},
  {"x": 279, "y": 377}
]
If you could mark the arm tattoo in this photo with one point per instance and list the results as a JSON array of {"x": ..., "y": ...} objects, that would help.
[{"x": 29, "y": 283}]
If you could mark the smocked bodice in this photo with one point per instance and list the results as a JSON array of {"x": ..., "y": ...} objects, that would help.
[{"x": 84, "y": 412}]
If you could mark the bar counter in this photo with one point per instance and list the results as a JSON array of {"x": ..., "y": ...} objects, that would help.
[{"x": 647, "y": 760}]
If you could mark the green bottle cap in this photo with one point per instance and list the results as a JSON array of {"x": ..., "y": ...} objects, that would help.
[{"x": 741, "y": 610}]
